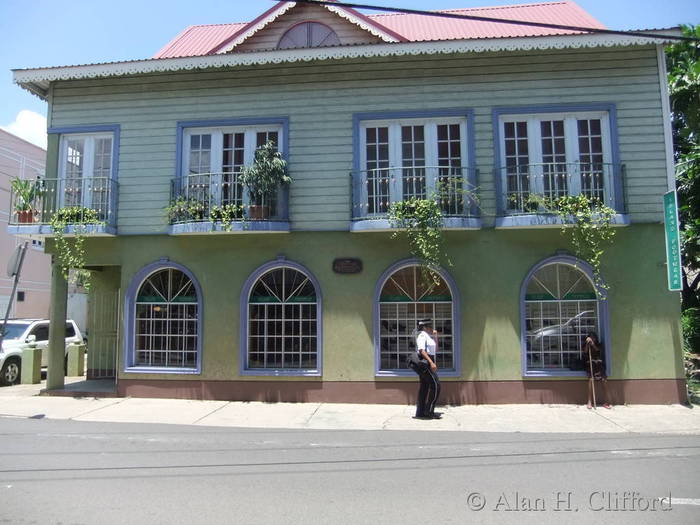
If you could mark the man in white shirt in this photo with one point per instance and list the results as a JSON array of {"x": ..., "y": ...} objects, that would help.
[{"x": 425, "y": 367}]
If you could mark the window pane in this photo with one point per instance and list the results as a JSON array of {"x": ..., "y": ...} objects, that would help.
[
  {"x": 282, "y": 312},
  {"x": 561, "y": 309},
  {"x": 166, "y": 320},
  {"x": 406, "y": 298}
]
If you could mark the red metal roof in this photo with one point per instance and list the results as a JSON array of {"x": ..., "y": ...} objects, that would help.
[
  {"x": 201, "y": 40},
  {"x": 417, "y": 28}
]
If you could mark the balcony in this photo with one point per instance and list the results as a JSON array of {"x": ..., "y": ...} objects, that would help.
[
  {"x": 197, "y": 202},
  {"x": 373, "y": 192},
  {"x": 524, "y": 186},
  {"x": 82, "y": 194}
]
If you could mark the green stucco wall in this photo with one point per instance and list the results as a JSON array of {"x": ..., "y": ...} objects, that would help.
[{"x": 488, "y": 265}]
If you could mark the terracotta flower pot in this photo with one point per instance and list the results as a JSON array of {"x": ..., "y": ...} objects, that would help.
[
  {"x": 258, "y": 213},
  {"x": 25, "y": 216}
]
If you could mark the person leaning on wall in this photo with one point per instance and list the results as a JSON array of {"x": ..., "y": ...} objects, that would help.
[
  {"x": 595, "y": 368},
  {"x": 422, "y": 362}
]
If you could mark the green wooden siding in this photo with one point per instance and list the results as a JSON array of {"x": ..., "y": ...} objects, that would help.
[{"x": 320, "y": 99}]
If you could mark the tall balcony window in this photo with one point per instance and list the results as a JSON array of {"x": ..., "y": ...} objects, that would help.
[
  {"x": 211, "y": 163},
  {"x": 413, "y": 158},
  {"x": 552, "y": 155},
  {"x": 86, "y": 182}
]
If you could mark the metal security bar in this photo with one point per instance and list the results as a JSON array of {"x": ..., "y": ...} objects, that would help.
[
  {"x": 454, "y": 188},
  {"x": 198, "y": 194},
  {"x": 525, "y": 184}
]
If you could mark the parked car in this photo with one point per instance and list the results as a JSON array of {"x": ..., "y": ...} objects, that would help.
[{"x": 22, "y": 332}]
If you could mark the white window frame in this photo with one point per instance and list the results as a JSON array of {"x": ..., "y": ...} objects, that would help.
[
  {"x": 217, "y": 147},
  {"x": 431, "y": 148},
  {"x": 534, "y": 139},
  {"x": 89, "y": 165}
]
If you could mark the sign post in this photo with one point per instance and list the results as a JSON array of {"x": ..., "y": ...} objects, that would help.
[
  {"x": 673, "y": 242},
  {"x": 14, "y": 269}
]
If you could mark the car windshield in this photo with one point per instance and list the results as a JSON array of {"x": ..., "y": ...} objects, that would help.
[{"x": 14, "y": 330}]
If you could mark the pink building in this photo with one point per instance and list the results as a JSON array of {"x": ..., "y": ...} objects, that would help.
[{"x": 19, "y": 158}]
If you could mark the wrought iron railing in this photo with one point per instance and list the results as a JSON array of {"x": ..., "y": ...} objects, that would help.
[
  {"x": 195, "y": 198},
  {"x": 85, "y": 193},
  {"x": 454, "y": 188},
  {"x": 524, "y": 186}
]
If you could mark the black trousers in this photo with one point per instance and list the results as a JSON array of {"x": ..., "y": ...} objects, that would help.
[{"x": 429, "y": 390}]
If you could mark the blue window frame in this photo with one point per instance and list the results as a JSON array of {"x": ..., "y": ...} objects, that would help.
[
  {"x": 560, "y": 305},
  {"x": 401, "y": 298},
  {"x": 163, "y": 322},
  {"x": 281, "y": 322}
]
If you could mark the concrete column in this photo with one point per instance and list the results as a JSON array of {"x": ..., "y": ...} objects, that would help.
[{"x": 57, "y": 329}]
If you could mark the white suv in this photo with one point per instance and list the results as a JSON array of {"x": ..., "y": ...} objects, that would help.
[{"x": 21, "y": 332}]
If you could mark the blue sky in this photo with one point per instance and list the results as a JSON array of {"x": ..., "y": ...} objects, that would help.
[{"x": 40, "y": 33}]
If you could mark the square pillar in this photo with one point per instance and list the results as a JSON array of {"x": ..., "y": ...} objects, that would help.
[{"x": 55, "y": 373}]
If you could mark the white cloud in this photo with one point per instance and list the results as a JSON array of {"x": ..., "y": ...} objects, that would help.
[{"x": 29, "y": 126}]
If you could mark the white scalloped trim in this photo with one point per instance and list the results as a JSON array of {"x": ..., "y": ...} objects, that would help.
[
  {"x": 361, "y": 24},
  {"x": 286, "y": 7},
  {"x": 257, "y": 27},
  {"x": 37, "y": 80}
]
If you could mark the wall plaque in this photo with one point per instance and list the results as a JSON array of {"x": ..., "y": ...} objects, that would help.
[{"x": 347, "y": 266}]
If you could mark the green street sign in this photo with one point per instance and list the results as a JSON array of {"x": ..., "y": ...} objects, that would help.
[{"x": 673, "y": 242}]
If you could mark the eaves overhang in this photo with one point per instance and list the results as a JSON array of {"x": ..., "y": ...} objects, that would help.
[{"x": 38, "y": 80}]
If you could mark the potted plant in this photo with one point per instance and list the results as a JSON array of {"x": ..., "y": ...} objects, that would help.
[
  {"x": 263, "y": 178},
  {"x": 26, "y": 192}
]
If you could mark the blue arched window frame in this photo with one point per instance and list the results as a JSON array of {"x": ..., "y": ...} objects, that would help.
[
  {"x": 456, "y": 322},
  {"x": 603, "y": 317},
  {"x": 130, "y": 319},
  {"x": 244, "y": 303}
]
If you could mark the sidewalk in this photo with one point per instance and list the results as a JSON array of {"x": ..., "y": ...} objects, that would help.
[{"x": 23, "y": 401}]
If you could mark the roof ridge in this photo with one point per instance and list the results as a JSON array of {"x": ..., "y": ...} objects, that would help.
[{"x": 222, "y": 24}]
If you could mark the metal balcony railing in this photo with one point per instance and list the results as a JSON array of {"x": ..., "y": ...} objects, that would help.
[
  {"x": 454, "y": 188},
  {"x": 86, "y": 193},
  {"x": 196, "y": 196},
  {"x": 524, "y": 185}
]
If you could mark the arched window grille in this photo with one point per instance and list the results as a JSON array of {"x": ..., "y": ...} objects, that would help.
[
  {"x": 406, "y": 296},
  {"x": 166, "y": 321},
  {"x": 308, "y": 34},
  {"x": 561, "y": 306},
  {"x": 283, "y": 320}
]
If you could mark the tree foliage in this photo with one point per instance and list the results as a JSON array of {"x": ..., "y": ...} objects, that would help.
[{"x": 683, "y": 64}]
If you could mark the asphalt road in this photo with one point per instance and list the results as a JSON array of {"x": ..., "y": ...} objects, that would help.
[{"x": 72, "y": 472}]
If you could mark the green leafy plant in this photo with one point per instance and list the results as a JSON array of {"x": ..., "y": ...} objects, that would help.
[
  {"x": 420, "y": 221},
  {"x": 27, "y": 192},
  {"x": 690, "y": 323},
  {"x": 70, "y": 252},
  {"x": 586, "y": 221},
  {"x": 182, "y": 209},
  {"x": 266, "y": 174},
  {"x": 226, "y": 214}
]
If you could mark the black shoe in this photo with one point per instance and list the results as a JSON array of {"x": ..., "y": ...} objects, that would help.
[
  {"x": 422, "y": 417},
  {"x": 436, "y": 415}
]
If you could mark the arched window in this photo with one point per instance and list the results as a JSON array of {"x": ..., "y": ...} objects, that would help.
[
  {"x": 406, "y": 296},
  {"x": 308, "y": 34},
  {"x": 561, "y": 306},
  {"x": 281, "y": 325},
  {"x": 164, "y": 320}
]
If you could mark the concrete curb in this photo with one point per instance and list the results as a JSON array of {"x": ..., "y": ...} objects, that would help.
[{"x": 670, "y": 419}]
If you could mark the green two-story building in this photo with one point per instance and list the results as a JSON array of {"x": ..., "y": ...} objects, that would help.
[{"x": 310, "y": 298}]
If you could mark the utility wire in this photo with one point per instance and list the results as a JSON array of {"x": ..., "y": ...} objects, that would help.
[{"x": 456, "y": 16}]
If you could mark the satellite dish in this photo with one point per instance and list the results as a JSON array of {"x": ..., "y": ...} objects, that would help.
[{"x": 14, "y": 262}]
